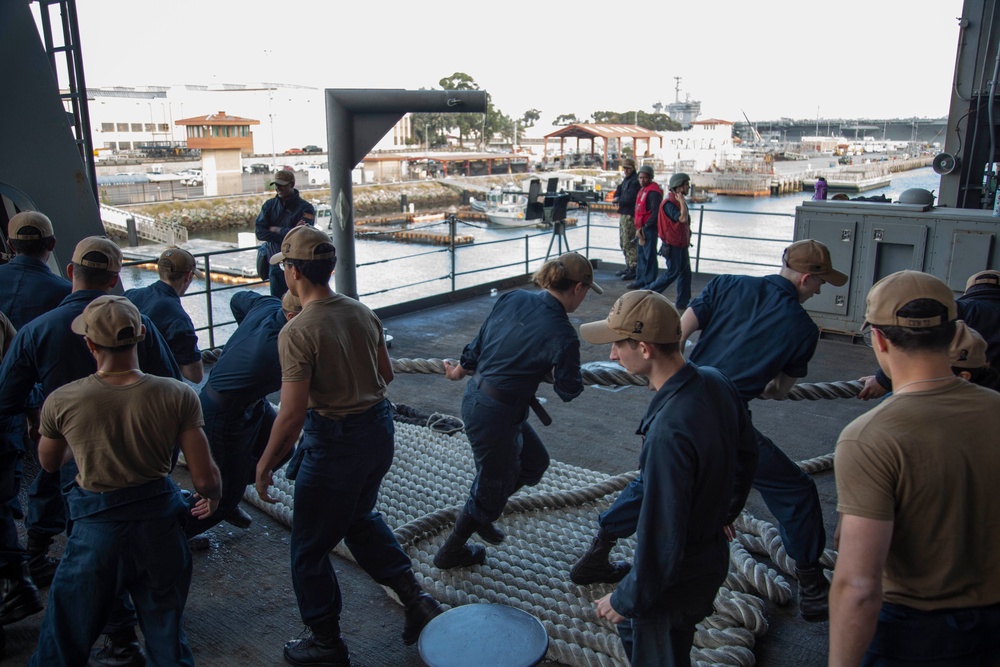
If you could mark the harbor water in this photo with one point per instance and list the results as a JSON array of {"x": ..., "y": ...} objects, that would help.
[{"x": 393, "y": 272}]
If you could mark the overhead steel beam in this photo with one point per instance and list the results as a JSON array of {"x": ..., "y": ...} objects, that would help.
[{"x": 356, "y": 119}]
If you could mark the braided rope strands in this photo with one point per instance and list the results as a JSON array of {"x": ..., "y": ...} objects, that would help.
[
  {"x": 596, "y": 373},
  {"x": 817, "y": 464},
  {"x": 548, "y": 527},
  {"x": 735, "y": 609},
  {"x": 209, "y": 357},
  {"x": 757, "y": 578},
  {"x": 815, "y": 391},
  {"x": 762, "y": 538},
  {"x": 604, "y": 374}
]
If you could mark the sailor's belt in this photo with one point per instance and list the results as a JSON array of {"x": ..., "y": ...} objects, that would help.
[{"x": 512, "y": 400}]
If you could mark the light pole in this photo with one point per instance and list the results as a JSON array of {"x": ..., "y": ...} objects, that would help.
[{"x": 270, "y": 116}]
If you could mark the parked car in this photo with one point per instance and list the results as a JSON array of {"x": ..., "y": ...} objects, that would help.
[
  {"x": 294, "y": 151},
  {"x": 312, "y": 148},
  {"x": 258, "y": 168},
  {"x": 192, "y": 177}
]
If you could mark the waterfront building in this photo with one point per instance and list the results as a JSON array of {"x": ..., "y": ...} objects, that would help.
[{"x": 222, "y": 140}]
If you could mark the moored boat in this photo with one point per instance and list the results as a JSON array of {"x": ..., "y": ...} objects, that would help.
[{"x": 504, "y": 208}]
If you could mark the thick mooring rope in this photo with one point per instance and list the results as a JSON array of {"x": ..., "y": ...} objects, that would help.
[{"x": 601, "y": 374}]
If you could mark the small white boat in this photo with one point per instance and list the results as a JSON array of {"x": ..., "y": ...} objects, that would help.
[
  {"x": 509, "y": 216},
  {"x": 504, "y": 208}
]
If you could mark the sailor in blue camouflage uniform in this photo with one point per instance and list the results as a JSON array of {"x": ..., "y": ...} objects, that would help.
[
  {"x": 278, "y": 216},
  {"x": 526, "y": 336},
  {"x": 697, "y": 462},
  {"x": 121, "y": 428},
  {"x": 238, "y": 415},
  {"x": 46, "y": 351},
  {"x": 161, "y": 302}
]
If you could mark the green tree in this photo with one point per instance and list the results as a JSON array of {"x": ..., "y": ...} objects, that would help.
[
  {"x": 458, "y": 81},
  {"x": 607, "y": 117},
  {"x": 467, "y": 124},
  {"x": 566, "y": 119},
  {"x": 530, "y": 117},
  {"x": 429, "y": 128},
  {"x": 658, "y": 122}
]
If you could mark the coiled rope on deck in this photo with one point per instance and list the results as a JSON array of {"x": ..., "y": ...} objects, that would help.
[
  {"x": 547, "y": 531},
  {"x": 550, "y": 527}
]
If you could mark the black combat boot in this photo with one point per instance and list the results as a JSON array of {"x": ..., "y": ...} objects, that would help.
[
  {"x": 22, "y": 599},
  {"x": 419, "y": 607},
  {"x": 40, "y": 564},
  {"x": 595, "y": 567},
  {"x": 455, "y": 552},
  {"x": 814, "y": 593},
  {"x": 325, "y": 648},
  {"x": 239, "y": 518},
  {"x": 490, "y": 533},
  {"x": 121, "y": 649}
]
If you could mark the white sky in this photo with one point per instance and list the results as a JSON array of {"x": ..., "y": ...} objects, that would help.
[{"x": 771, "y": 58}]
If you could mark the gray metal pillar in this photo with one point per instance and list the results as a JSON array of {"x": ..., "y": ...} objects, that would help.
[
  {"x": 34, "y": 123},
  {"x": 355, "y": 121},
  {"x": 973, "y": 135}
]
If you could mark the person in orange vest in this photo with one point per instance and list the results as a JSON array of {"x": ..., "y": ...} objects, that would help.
[{"x": 647, "y": 206}]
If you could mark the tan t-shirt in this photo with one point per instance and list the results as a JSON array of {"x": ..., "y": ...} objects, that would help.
[
  {"x": 121, "y": 436},
  {"x": 929, "y": 462},
  {"x": 7, "y": 333},
  {"x": 334, "y": 344}
]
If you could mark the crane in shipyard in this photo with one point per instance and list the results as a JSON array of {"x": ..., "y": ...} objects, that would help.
[{"x": 753, "y": 129}]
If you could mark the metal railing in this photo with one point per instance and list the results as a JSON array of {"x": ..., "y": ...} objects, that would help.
[
  {"x": 209, "y": 290},
  {"x": 507, "y": 258},
  {"x": 145, "y": 226},
  {"x": 698, "y": 235}
]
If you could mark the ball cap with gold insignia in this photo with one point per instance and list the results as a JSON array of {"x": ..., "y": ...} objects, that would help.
[
  {"x": 110, "y": 321},
  {"x": 889, "y": 295},
  {"x": 968, "y": 348},
  {"x": 642, "y": 315},
  {"x": 303, "y": 243},
  {"x": 809, "y": 256},
  {"x": 178, "y": 260}
]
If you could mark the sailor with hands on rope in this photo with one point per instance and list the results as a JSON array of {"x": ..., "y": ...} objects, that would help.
[
  {"x": 697, "y": 462},
  {"x": 526, "y": 336},
  {"x": 756, "y": 331},
  {"x": 46, "y": 351},
  {"x": 121, "y": 427},
  {"x": 238, "y": 414}
]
